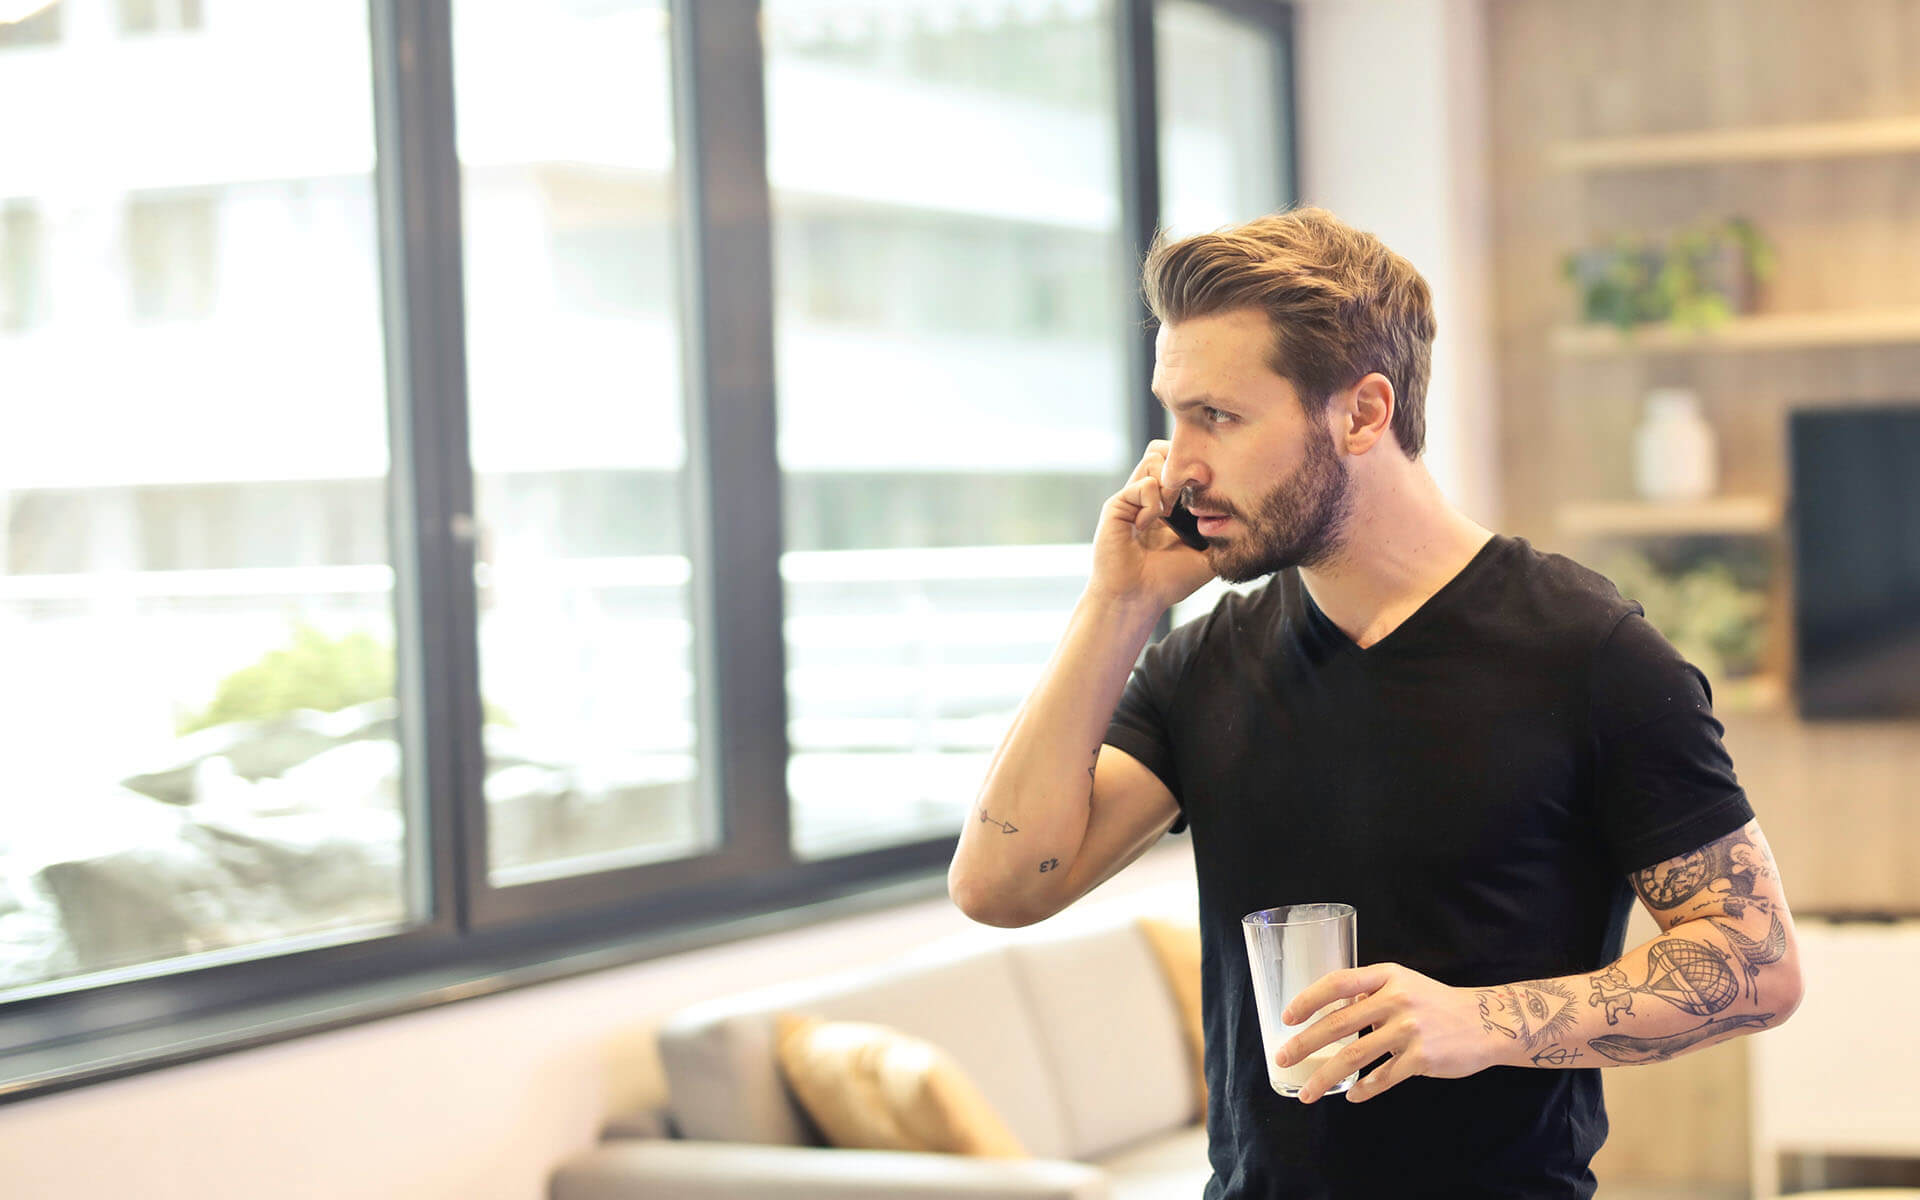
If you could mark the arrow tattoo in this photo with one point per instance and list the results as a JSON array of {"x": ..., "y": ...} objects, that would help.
[{"x": 1005, "y": 826}]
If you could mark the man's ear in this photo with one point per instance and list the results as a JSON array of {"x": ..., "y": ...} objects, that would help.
[{"x": 1365, "y": 413}]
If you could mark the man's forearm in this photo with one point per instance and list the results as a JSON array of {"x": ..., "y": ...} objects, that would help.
[
  {"x": 1702, "y": 982},
  {"x": 1031, "y": 814}
]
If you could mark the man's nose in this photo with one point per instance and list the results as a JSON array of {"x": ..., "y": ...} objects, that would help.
[{"x": 1181, "y": 470}]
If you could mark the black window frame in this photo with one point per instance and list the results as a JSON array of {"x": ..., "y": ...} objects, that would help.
[{"x": 480, "y": 939}]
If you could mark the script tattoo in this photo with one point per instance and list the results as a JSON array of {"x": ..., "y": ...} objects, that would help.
[
  {"x": 1689, "y": 975},
  {"x": 1623, "y": 1049},
  {"x": 1538, "y": 1011}
]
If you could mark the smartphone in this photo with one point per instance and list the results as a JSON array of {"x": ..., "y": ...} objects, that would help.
[{"x": 1186, "y": 525}]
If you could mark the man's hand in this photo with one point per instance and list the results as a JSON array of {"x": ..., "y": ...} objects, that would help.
[
  {"x": 1428, "y": 1028},
  {"x": 1137, "y": 557}
]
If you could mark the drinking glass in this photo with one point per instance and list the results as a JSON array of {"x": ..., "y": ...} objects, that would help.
[{"x": 1289, "y": 948}]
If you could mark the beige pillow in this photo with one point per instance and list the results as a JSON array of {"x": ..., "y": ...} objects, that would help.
[
  {"x": 1177, "y": 945},
  {"x": 869, "y": 1087}
]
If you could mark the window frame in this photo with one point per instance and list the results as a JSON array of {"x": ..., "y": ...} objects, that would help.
[{"x": 477, "y": 938}]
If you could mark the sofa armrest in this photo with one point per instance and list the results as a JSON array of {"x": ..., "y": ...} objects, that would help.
[
  {"x": 644, "y": 1170},
  {"x": 640, "y": 1123}
]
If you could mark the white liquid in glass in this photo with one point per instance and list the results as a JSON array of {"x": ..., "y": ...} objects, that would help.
[{"x": 1289, "y": 1080}]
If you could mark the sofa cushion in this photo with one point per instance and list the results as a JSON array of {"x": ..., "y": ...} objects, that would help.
[
  {"x": 1110, "y": 1032},
  {"x": 1177, "y": 945},
  {"x": 869, "y": 1087},
  {"x": 725, "y": 1083}
]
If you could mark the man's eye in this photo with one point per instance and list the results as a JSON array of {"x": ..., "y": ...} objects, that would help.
[{"x": 1214, "y": 416}]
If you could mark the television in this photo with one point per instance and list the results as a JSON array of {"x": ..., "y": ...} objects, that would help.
[{"x": 1856, "y": 560}]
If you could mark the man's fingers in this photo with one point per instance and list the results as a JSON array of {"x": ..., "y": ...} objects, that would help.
[
  {"x": 1148, "y": 495},
  {"x": 1152, "y": 462},
  {"x": 1350, "y": 1059},
  {"x": 1379, "y": 1079},
  {"x": 1329, "y": 1029},
  {"x": 1335, "y": 985}
]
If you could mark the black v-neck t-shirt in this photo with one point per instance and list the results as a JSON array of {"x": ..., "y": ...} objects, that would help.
[{"x": 1478, "y": 785}]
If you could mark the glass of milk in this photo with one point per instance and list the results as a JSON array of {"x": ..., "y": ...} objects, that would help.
[{"x": 1288, "y": 948}]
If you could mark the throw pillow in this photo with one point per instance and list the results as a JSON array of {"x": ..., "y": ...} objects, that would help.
[
  {"x": 1177, "y": 945},
  {"x": 869, "y": 1087}
]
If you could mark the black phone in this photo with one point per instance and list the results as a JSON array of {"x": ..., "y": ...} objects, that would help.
[{"x": 1186, "y": 525}]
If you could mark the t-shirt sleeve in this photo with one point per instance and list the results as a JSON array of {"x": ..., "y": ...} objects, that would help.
[
  {"x": 1140, "y": 721},
  {"x": 1664, "y": 781}
]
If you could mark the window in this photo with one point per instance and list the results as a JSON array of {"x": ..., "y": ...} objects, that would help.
[
  {"x": 573, "y": 343},
  {"x": 465, "y": 556},
  {"x": 23, "y": 287},
  {"x": 170, "y": 257},
  {"x": 40, "y": 26},
  {"x": 951, "y": 408},
  {"x": 159, "y": 16},
  {"x": 1226, "y": 154},
  {"x": 196, "y": 607}
]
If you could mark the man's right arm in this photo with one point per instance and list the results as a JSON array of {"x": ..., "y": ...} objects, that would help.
[{"x": 1059, "y": 813}]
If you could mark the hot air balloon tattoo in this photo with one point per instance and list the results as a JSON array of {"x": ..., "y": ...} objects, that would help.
[{"x": 1688, "y": 975}]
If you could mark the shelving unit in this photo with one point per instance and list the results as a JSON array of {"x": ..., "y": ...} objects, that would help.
[
  {"x": 1767, "y": 331},
  {"x": 1731, "y": 515},
  {"x": 1765, "y": 143},
  {"x": 1759, "y": 110}
]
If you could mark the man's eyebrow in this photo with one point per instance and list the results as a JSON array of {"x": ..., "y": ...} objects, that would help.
[{"x": 1203, "y": 399}]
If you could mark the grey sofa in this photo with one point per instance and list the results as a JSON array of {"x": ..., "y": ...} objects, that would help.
[{"x": 1071, "y": 1032}]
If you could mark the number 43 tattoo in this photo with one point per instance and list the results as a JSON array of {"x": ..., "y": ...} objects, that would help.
[{"x": 1049, "y": 865}]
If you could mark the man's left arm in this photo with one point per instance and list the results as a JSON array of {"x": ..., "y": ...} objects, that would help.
[{"x": 1725, "y": 964}]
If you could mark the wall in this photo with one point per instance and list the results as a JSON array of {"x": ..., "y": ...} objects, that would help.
[{"x": 1393, "y": 139}]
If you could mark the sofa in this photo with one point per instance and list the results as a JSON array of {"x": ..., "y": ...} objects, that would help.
[{"x": 1072, "y": 1033}]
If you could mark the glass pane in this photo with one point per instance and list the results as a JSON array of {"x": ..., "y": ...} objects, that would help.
[
  {"x": 1223, "y": 118},
  {"x": 1223, "y": 149},
  {"x": 196, "y": 603},
  {"x": 573, "y": 362},
  {"x": 951, "y": 295}
]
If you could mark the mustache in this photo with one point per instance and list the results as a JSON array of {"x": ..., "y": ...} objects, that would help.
[{"x": 1190, "y": 498}]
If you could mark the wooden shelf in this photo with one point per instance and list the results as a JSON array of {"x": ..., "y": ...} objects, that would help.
[
  {"x": 1643, "y": 518},
  {"x": 1702, "y": 147},
  {"x": 1768, "y": 331}
]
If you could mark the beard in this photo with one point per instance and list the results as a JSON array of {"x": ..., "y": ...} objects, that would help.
[{"x": 1300, "y": 523}]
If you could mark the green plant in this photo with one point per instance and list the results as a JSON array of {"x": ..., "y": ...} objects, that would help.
[
  {"x": 1697, "y": 279},
  {"x": 1704, "y": 610},
  {"x": 314, "y": 671}
]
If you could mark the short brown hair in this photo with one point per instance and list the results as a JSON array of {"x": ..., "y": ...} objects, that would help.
[{"x": 1342, "y": 304}]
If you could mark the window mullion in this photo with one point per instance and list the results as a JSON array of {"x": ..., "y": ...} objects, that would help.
[
  {"x": 432, "y": 488},
  {"x": 1139, "y": 123},
  {"x": 732, "y": 471}
]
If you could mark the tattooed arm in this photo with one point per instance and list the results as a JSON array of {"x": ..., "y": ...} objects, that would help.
[
  {"x": 1060, "y": 813},
  {"x": 1725, "y": 964}
]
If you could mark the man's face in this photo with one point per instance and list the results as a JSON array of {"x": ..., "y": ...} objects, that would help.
[{"x": 1267, "y": 481}]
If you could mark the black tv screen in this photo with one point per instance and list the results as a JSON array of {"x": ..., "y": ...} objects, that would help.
[{"x": 1856, "y": 550}]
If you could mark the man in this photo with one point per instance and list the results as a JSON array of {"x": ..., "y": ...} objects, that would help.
[{"x": 1485, "y": 749}]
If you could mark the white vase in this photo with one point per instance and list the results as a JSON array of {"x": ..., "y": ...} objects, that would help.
[{"x": 1675, "y": 456}]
